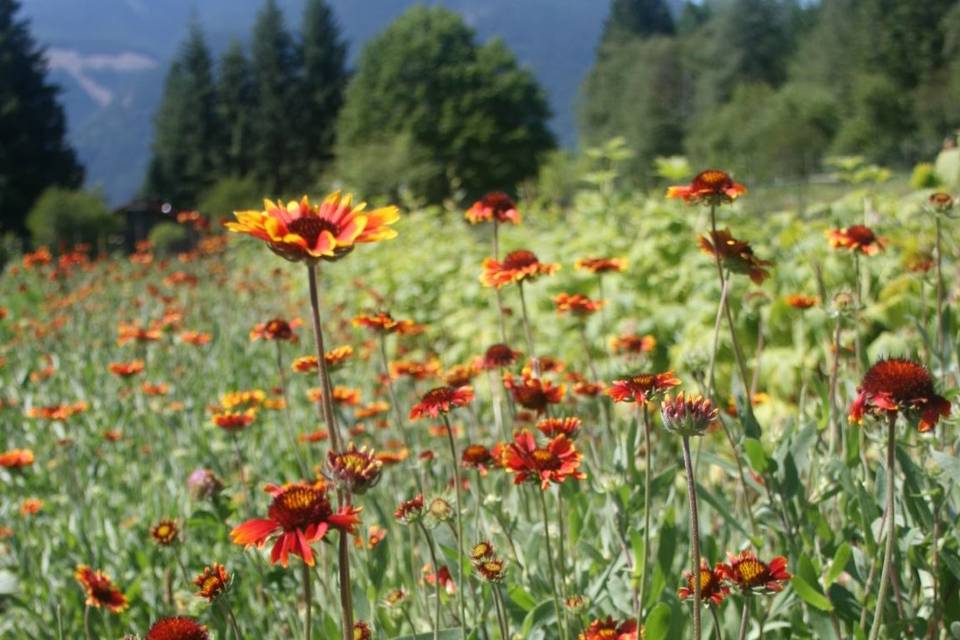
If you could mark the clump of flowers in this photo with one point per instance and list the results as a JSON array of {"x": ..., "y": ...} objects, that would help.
[
  {"x": 899, "y": 386},
  {"x": 485, "y": 562},
  {"x": 642, "y": 387}
]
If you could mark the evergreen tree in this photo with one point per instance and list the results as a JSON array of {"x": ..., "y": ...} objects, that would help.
[
  {"x": 279, "y": 144},
  {"x": 474, "y": 113},
  {"x": 637, "y": 18},
  {"x": 235, "y": 105},
  {"x": 186, "y": 143},
  {"x": 33, "y": 151},
  {"x": 324, "y": 79}
]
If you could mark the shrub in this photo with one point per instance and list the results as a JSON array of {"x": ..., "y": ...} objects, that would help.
[
  {"x": 228, "y": 195},
  {"x": 169, "y": 237},
  {"x": 63, "y": 217}
]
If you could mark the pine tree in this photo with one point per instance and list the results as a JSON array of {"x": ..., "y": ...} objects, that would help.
[
  {"x": 324, "y": 78},
  {"x": 187, "y": 139},
  {"x": 637, "y": 18},
  {"x": 279, "y": 144},
  {"x": 235, "y": 106},
  {"x": 424, "y": 87},
  {"x": 33, "y": 152}
]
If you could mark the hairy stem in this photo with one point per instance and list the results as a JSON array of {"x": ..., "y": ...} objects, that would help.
[
  {"x": 694, "y": 537},
  {"x": 891, "y": 529}
]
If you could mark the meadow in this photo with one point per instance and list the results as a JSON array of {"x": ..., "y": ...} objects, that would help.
[{"x": 173, "y": 468}]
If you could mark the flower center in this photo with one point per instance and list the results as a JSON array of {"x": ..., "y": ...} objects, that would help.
[
  {"x": 310, "y": 227},
  {"x": 299, "y": 507},
  {"x": 520, "y": 259},
  {"x": 545, "y": 459},
  {"x": 902, "y": 379},
  {"x": 751, "y": 570},
  {"x": 861, "y": 234}
]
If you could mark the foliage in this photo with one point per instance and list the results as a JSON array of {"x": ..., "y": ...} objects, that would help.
[
  {"x": 34, "y": 153},
  {"x": 169, "y": 237},
  {"x": 425, "y": 78},
  {"x": 228, "y": 195},
  {"x": 62, "y": 217}
]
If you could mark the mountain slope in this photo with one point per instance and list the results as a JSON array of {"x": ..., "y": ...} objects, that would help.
[{"x": 111, "y": 68}]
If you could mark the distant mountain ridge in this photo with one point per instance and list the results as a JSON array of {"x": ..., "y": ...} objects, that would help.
[{"x": 110, "y": 58}]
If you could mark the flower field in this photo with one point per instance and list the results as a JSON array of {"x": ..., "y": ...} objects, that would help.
[{"x": 328, "y": 421}]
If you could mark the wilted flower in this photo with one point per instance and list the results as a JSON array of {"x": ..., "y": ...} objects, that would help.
[
  {"x": 476, "y": 456},
  {"x": 517, "y": 266},
  {"x": 212, "y": 582},
  {"x": 533, "y": 393},
  {"x": 362, "y": 631},
  {"x": 712, "y": 187},
  {"x": 277, "y": 329},
  {"x": 736, "y": 255},
  {"x": 177, "y": 628},
  {"x": 687, "y": 416},
  {"x": 498, "y": 356},
  {"x": 496, "y": 206},
  {"x": 856, "y": 238},
  {"x": 440, "y": 510},
  {"x": 203, "y": 484},
  {"x": 300, "y": 514},
  {"x": 410, "y": 510},
  {"x": 301, "y": 231},
  {"x": 941, "y": 202},
  {"x": 440, "y": 401},
  {"x": 555, "y": 462},
  {"x": 101, "y": 591},
  {"x": 899, "y": 385},
  {"x": 643, "y": 387},
  {"x": 752, "y": 575},
  {"x": 355, "y": 470},
  {"x": 712, "y": 587}
]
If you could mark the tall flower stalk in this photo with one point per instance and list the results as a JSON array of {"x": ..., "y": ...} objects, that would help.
[{"x": 891, "y": 521}]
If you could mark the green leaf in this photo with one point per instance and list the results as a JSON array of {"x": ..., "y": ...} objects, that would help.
[
  {"x": 538, "y": 617},
  {"x": 657, "y": 624},
  {"x": 756, "y": 454},
  {"x": 810, "y": 594},
  {"x": 840, "y": 560},
  {"x": 445, "y": 634}
]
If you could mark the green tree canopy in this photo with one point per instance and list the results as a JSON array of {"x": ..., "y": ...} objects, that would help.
[
  {"x": 479, "y": 116},
  {"x": 235, "y": 104},
  {"x": 33, "y": 151},
  {"x": 324, "y": 79}
]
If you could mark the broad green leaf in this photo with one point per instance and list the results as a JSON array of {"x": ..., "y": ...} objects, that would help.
[
  {"x": 657, "y": 624},
  {"x": 810, "y": 595},
  {"x": 840, "y": 560},
  {"x": 756, "y": 454}
]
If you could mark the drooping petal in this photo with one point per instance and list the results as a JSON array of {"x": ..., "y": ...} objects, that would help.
[{"x": 254, "y": 531}]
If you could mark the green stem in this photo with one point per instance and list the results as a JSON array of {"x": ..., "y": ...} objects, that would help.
[
  {"x": 716, "y": 623},
  {"x": 398, "y": 415},
  {"x": 694, "y": 537},
  {"x": 459, "y": 488},
  {"x": 553, "y": 573},
  {"x": 891, "y": 529},
  {"x": 322, "y": 371},
  {"x": 737, "y": 352},
  {"x": 286, "y": 411},
  {"x": 534, "y": 362},
  {"x": 436, "y": 582},
  {"x": 645, "y": 562},
  {"x": 744, "y": 619},
  {"x": 86, "y": 623},
  {"x": 307, "y": 600}
]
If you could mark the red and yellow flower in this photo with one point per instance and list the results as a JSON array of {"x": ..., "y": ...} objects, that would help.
[
  {"x": 801, "y": 301},
  {"x": 213, "y": 582},
  {"x": 753, "y": 575},
  {"x": 177, "y": 628},
  {"x": 633, "y": 343},
  {"x": 499, "y": 356},
  {"x": 712, "y": 187},
  {"x": 165, "y": 532},
  {"x": 126, "y": 369},
  {"x": 856, "y": 238},
  {"x": 532, "y": 393},
  {"x": 577, "y": 304},
  {"x": 642, "y": 387},
  {"x": 601, "y": 265},
  {"x": 277, "y": 329},
  {"x": 899, "y": 385},
  {"x": 496, "y": 206},
  {"x": 712, "y": 584},
  {"x": 234, "y": 420},
  {"x": 410, "y": 510},
  {"x": 329, "y": 231},
  {"x": 552, "y": 427},
  {"x": 355, "y": 470},
  {"x": 517, "y": 266},
  {"x": 610, "y": 629},
  {"x": 299, "y": 515},
  {"x": 440, "y": 401},
  {"x": 101, "y": 592},
  {"x": 16, "y": 458},
  {"x": 555, "y": 462}
]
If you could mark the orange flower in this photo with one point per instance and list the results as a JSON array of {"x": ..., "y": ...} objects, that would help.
[
  {"x": 476, "y": 456},
  {"x": 234, "y": 420},
  {"x": 126, "y": 369},
  {"x": 517, "y": 266},
  {"x": 196, "y": 338},
  {"x": 736, "y": 255},
  {"x": 800, "y": 301},
  {"x": 633, "y": 343},
  {"x": 609, "y": 629},
  {"x": 898, "y": 385},
  {"x": 600, "y": 265},
  {"x": 533, "y": 393},
  {"x": 132, "y": 332},
  {"x": 277, "y": 329},
  {"x": 243, "y": 399},
  {"x": 460, "y": 375},
  {"x": 712, "y": 187},
  {"x": 712, "y": 585},
  {"x": 151, "y": 389},
  {"x": 555, "y": 463},
  {"x": 753, "y": 575},
  {"x": 16, "y": 458},
  {"x": 299, "y": 515},
  {"x": 375, "y": 535},
  {"x": 440, "y": 401},
  {"x": 569, "y": 427},
  {"x": 410, "y": 510},
  {"x": 443, "y": 575},
  {"x": 212, "y": 582},
  {"x": 373, "y": 409},
  {"x": 165, "y": 532},
  {"x": 416, "y": 370},
  {"x": 642, "y": 387},
  {"x": 395, "y": 456},
  {"x": 101, "y": 591},
  {"x": 856, "y": 238},
  {"x": 383, "y": 322},
  {"x": 177, "y": 628},
  {"x": 341, "y": 395},
  {"x": 498, "y": 356},
  {"x": 336, "y": 357},
  {"x": 58, "y": 412},
  {"x": 577, "y": 304},
  {"x": 30, "y": 506},
  {"x": 496, "y": 206},
  {"x": 301, "y": 231}
]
